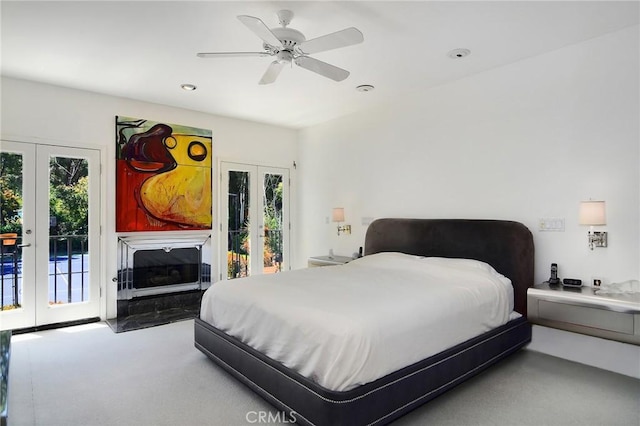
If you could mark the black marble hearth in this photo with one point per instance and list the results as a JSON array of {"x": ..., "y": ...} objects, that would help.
[{"x": 149, "y": 311}]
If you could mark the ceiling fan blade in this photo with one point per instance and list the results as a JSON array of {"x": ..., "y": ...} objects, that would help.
[
  {"x": 260, "y": 29},
  {"x": 346, "y": 37},
  {"x": 231, "y": 54},
  {"x": 272, "y": 72},
  {"x": 322, "y": 68}
]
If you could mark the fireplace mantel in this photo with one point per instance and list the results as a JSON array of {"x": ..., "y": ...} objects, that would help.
[{"x": 164, "y": 241}]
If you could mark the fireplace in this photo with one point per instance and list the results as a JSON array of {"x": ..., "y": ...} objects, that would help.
[
  {"x": 160, "y": 278},
  {"x": 152, "y": 266}
]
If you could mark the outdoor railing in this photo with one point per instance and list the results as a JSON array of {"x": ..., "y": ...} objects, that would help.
[
  {"x": 68, "y": 270},
  {"x": 238, "y": 261},
  {"x": 68, "y": 256}
]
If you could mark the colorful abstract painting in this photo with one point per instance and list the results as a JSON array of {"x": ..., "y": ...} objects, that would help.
[{"x": 163, "y": 176}]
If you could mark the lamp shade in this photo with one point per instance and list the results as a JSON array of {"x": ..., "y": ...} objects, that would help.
[
  {"x": 338, "y": 214},
  {"x": 592, "y": 213}
]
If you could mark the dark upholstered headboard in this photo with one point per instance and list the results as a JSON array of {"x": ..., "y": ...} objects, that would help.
[{"x": 505, "y": 245}]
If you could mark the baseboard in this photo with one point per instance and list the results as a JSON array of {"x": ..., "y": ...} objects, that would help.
[{"x": 56, "y": 325}]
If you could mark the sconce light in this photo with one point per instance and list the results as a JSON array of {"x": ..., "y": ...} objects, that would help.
[
  {"x": 592, "y": 213},
  {"x": 338, "y": 216}
]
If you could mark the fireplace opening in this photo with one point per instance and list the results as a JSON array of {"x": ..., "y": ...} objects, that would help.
[{"x": 160, "y": 267}]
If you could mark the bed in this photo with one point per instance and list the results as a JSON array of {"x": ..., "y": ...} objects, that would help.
[{"x": 505, "y": 245}]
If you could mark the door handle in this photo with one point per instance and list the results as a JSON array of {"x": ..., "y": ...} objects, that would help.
[{"x": 24, "y": 245}]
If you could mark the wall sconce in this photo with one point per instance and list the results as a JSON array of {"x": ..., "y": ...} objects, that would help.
[
  {"x": 592, "y": 213},
  {"x": 338, "y": 216}
]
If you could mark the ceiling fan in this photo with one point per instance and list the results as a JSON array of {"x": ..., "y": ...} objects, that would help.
[{"x": 290, "y": 46}]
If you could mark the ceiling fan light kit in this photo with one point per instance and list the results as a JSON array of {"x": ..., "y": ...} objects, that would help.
[{"x": 289, "y": 46}]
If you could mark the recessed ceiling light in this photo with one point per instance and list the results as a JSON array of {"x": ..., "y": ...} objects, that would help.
[
  {"x": 459, "y": 53},
  {"x": 365, "y": 88},
  {"x": 188, "y": 87}
]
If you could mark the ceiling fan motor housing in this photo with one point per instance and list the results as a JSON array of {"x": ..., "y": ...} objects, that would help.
[{"x": 288, "y": 37}]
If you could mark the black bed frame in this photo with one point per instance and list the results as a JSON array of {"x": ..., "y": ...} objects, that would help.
[{"x": 506, "y": 245}]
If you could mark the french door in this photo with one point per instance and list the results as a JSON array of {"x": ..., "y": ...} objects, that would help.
[
  {"x": 255, "y": 220},
  {"x": 50, "y": 231}
]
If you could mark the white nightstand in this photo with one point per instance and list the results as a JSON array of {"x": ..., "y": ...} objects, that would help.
[
  {"x": 328, "y": 260},
  {"x": 580, "y": 310}
]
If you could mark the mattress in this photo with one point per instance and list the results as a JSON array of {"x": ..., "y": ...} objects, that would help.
[{"x": 345, "y": 326}]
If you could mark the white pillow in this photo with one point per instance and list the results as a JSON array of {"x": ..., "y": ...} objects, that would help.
[
  {"x": 462, "y": 263},
  {"x": 468, "y": 264}
]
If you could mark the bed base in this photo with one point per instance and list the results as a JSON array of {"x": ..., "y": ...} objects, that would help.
[
  {"x": 505, "y": 245},
  {"x": 376, "y": 403}
]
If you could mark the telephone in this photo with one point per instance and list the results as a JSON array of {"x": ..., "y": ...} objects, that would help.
[{"x": 554, "y": 274}]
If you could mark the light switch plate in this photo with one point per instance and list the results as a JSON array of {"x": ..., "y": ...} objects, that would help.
[{"x": 551, "y": 224}]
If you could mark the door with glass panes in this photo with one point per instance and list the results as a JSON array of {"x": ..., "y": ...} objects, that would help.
[
  {"x": 49, "y": 227},
  {"x": 254, "y": 219}
]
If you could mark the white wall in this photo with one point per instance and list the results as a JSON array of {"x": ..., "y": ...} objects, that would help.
[
  {"x": 34, "y": 112},
  {"x": 525, "y": 141}
]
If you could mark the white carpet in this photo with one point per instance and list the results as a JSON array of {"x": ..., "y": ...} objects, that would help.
[{"x": 88, "y": 375}]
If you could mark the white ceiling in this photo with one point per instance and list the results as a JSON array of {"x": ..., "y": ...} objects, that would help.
[{"x": 145, "y": 50}]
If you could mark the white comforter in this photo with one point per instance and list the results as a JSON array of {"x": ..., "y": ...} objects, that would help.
[{"x": 343, "y": 326}]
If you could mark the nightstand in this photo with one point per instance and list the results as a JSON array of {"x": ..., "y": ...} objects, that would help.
[
  {"x": 314, "y": 261},
  {"x": 580, "y": 310}
]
